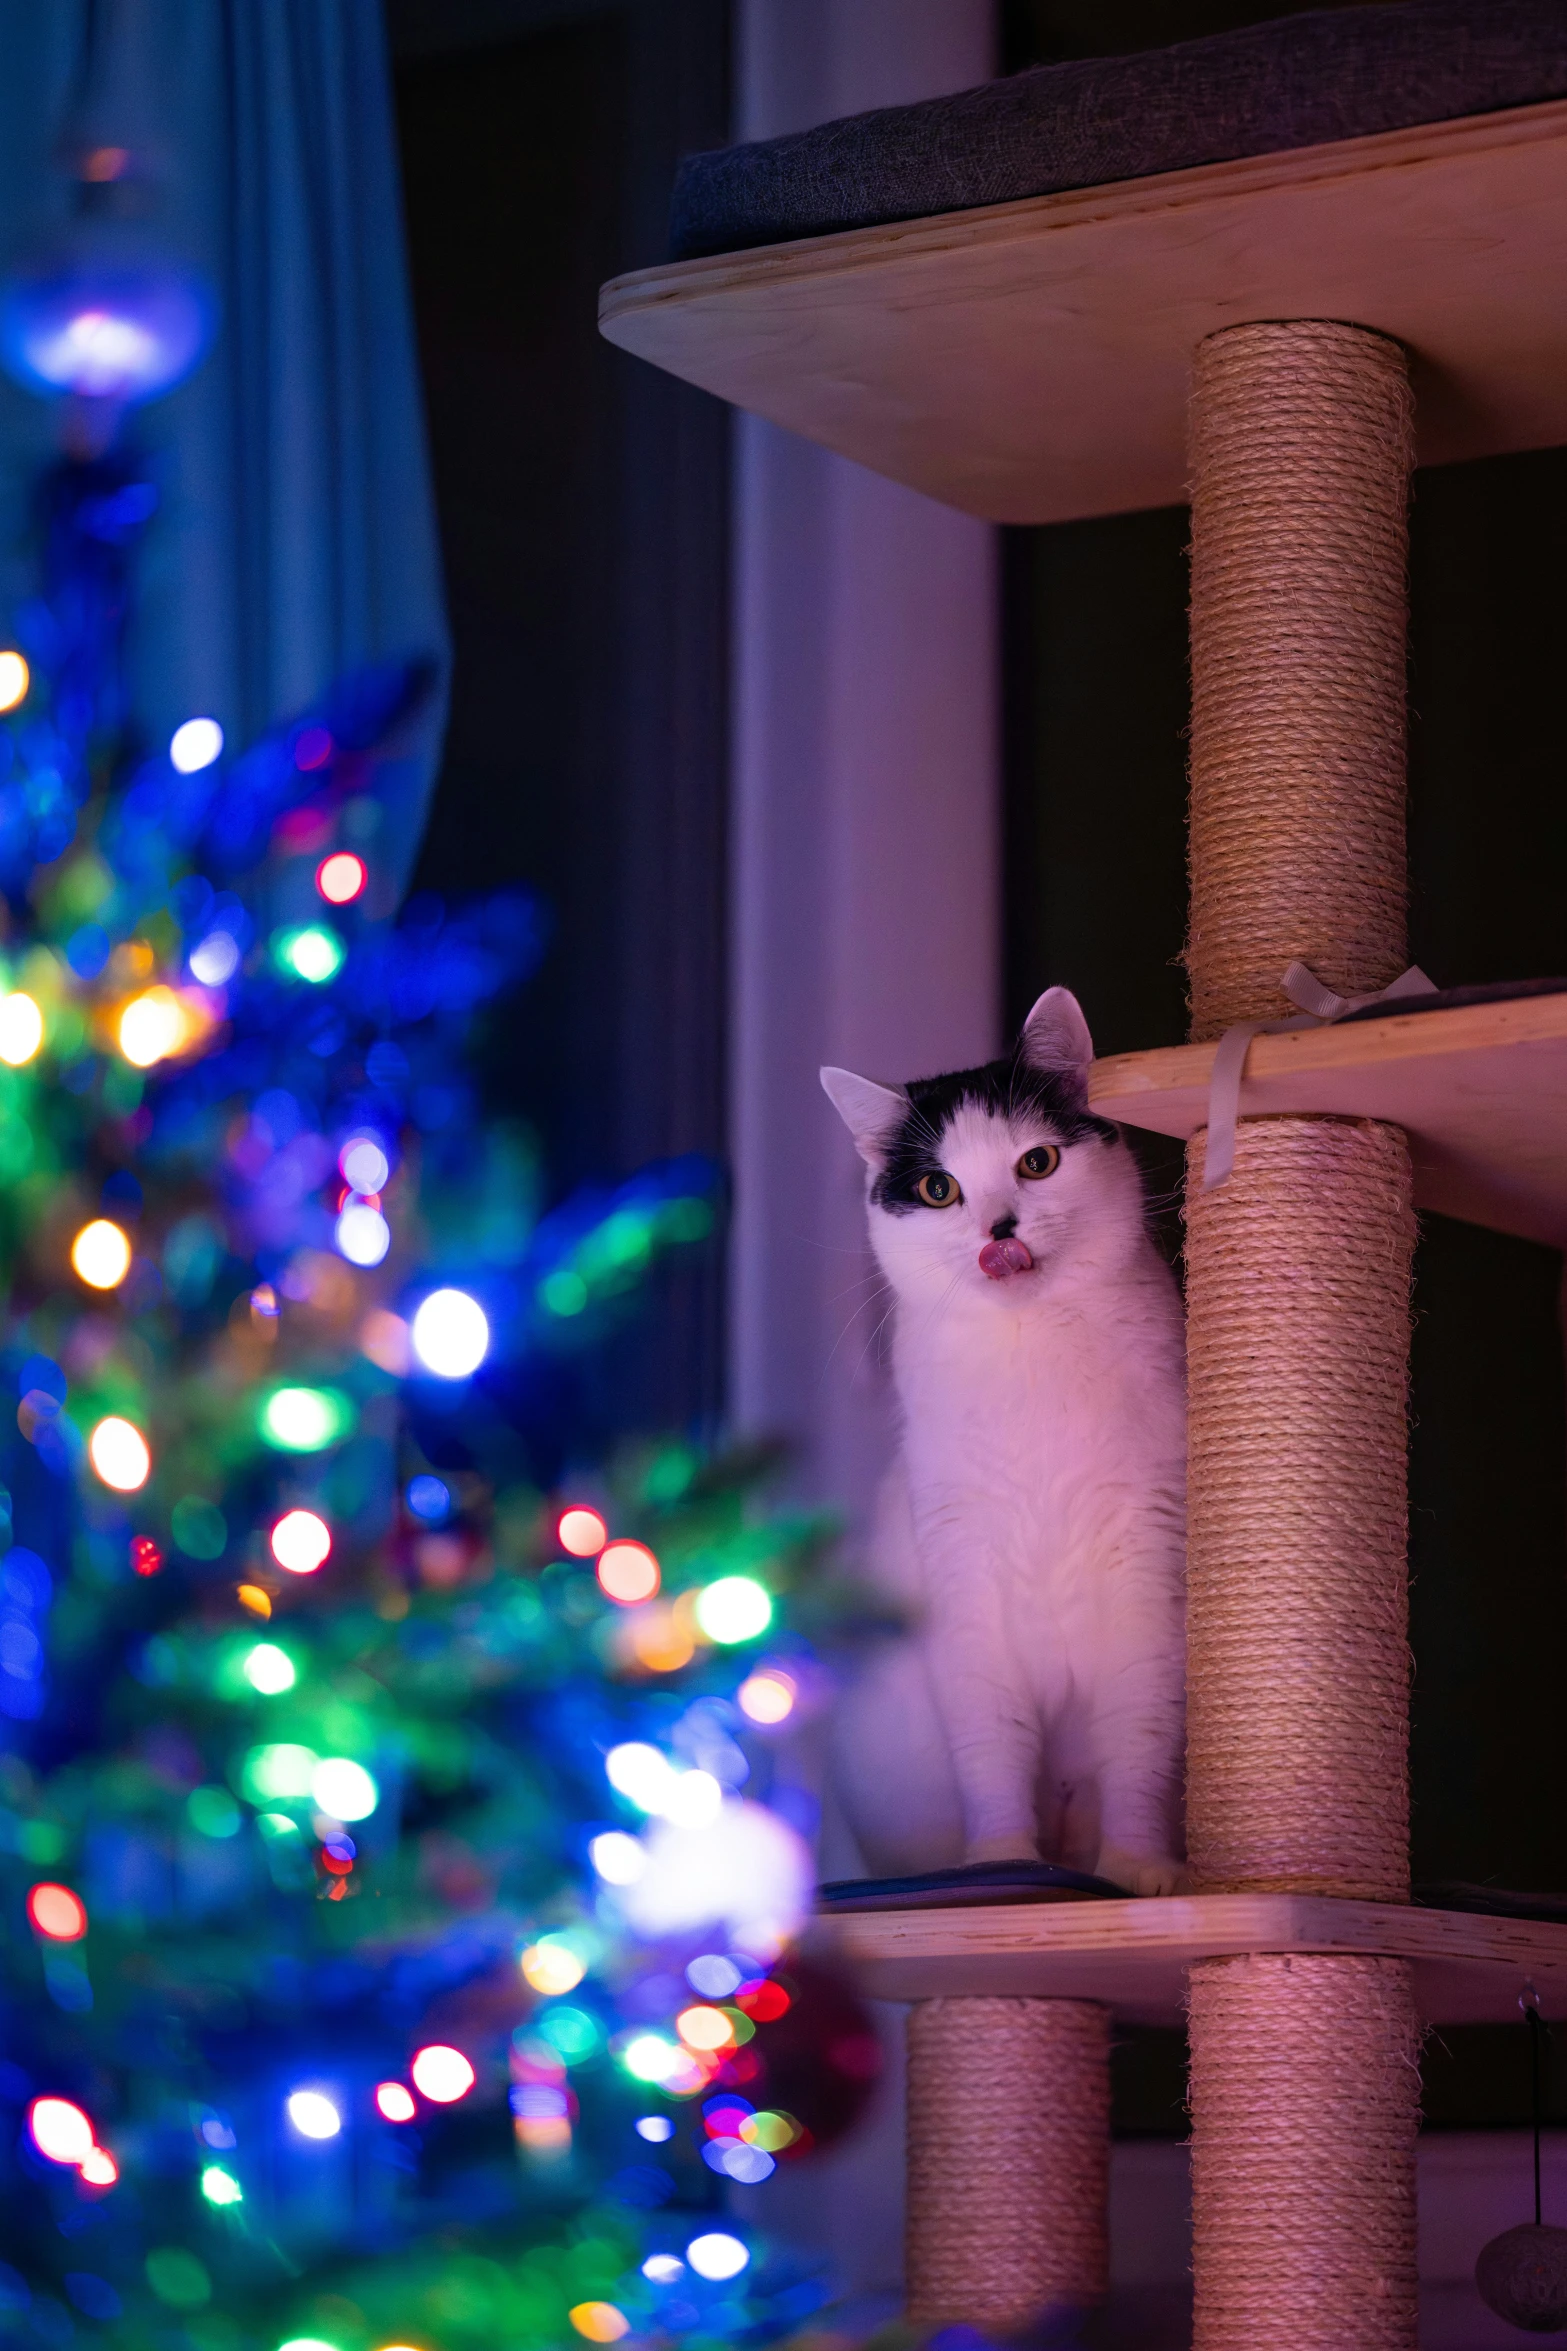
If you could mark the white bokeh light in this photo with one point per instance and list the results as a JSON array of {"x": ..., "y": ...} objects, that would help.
[
  {"x": 119, "y": 1454},
  {"x": 364, "y": 1164},
  {"x": 301, "y": 1541},
  {"x": 344, "y": 1790},
  {"x": 60, "y": 2130},
  {"x": 362, "y": 1233},
  {"x": 21, "y": 1028},
  {"x": 618, "y": 1859},
  {"x": 195, "y": 745},
  {"x": 717, "y": 2255},
  {"x": 451, "y": 1336},
  {"x": 215, "y": 960},
  {"x": 313, "y": 2114},
  {"x": 442, "y": 2074},
  {"x": 746, "y": 1871}
]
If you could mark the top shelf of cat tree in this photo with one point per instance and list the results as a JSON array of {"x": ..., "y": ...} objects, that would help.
[
  {"x": 1029, "y": 362},
  {"x": 1134, "y": 1955},
  {"x": 1481, "y": 1090}
]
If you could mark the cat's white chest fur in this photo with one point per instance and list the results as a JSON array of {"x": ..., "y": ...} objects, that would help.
[{"x": 1033, "y": 1526}]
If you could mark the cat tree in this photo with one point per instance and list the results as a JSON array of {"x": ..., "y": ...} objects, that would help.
[{"x": 1042, "y": 360}]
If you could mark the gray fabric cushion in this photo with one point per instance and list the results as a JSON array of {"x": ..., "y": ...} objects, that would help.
[{"x": 1332, "y": 74}]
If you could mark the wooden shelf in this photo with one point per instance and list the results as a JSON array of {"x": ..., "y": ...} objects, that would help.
[
  {"x": 1134, "y": 1955},
  {"x": 1481, "y": 1090},
  {"x": 1029, "y": 362}
]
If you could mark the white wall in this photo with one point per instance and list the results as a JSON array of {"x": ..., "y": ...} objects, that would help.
[
  {"x": 864, "y": 906},
  {"x": 865, "y": 882}
]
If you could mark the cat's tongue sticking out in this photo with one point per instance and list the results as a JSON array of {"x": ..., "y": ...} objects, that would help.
[{"x": 1001, "y": 1259}]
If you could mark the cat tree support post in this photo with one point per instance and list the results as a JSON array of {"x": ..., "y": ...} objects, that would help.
[
  {"x": 1304, "y": 2086},
  {"x": 1008, "y": 2157}
]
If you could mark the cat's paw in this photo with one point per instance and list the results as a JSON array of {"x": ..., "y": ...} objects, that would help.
[
  {"x": 1018, "y": 1848},
  {"x": 1154, "y": 1873}
]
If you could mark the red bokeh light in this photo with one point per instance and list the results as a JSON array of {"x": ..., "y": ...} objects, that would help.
[
  {"x": 628, "y": 1572},
  {"x": 763, "y": 2000},
  {"x": 581, "y": 1531},
  {"x": 58, "y": 1913},
  {"x": 341, "y": 877},
  {"x": 442, "y": 2074},
  {"x": 146, "y": 1558},
  {"x": 395, "y": 2102}
]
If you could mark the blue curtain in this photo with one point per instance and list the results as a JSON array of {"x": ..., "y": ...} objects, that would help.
[{"x": 296, "y": 533}]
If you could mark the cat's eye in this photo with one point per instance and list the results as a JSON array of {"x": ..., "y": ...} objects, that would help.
[
  {"x": 938, "y": 1189},
  {"x": 1043, "y": 1160}
]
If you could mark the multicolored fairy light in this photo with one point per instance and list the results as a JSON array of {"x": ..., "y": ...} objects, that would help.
[
  {"x": 341, "y": 877},
  {"x": 57, "y": 1913},
  {"x": 767, "y": 1696},
  {"x": 362, "y": 1233},
  {"x": 618, "y": 1859},
  {"x": 313, "y": 2114},
  {"x": 101, "y": 1254},
  {"x": 717, "y": 2255},
  {"x": 301, "y": 1542},
  {"x": 628, "y": 1572},
  {"x": 304, "y": 1420},
  {"x": 311, "y": 952},
  {"x": 21, "y": 1028},
  {"x": 15, "y": 678},
  {"x": 195, "y": 745},
  {"x": 442, "y": 2074},
  {"x": 60, "y": 2130},
  {"x": 599, "y": 2322},
  {"x": 581, "y": 1532},
  {"x": 269, "y": 1670},
  {"x": 153, "y": 1027},
  {"x": 551, "y": 1967},
  {"x": 118, "y": 1452},
  {"x": 363, "y": 1165},
  {"x": 734, "y": 1609},
  {"x": 450, "y": 1334},
  {"x": 343, "y": 1789}
]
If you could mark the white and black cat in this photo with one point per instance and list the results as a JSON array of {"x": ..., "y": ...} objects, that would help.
[{"x": 1034, "y": 1523}]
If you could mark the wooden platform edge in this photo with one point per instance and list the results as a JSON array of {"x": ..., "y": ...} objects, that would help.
[
  {"x": 1167, "y": 1088},
  {"x": 638, "y": 296},
  {"x": 1133, "y": 1955}
]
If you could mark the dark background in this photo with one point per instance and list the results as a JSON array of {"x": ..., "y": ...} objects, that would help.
[
  {"x": 584, "y": 526},
  {"x": 582, "y": 501}
]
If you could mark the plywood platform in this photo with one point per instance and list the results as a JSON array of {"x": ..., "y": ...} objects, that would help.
[
  {"x": 1134, "y": 1955},
  {"x": 1029, "y": 362},
  {"x": 1481, "y": 1090}
]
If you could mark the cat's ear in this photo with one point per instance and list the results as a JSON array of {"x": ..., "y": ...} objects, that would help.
[
  {"x": 1055, "y": 1038},
  {"x": 871, "y": 1113}
]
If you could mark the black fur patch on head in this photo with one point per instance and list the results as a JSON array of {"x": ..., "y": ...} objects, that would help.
[{"x": 1011, "y": 1088}]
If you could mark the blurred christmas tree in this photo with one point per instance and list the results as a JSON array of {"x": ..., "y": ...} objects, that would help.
[{"x": 399, "y": 1927}]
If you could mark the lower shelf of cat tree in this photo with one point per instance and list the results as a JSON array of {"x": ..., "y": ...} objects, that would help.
[
  {"x": 1134, "y": 1955},
  {"x": 1481, "y": 1090}
]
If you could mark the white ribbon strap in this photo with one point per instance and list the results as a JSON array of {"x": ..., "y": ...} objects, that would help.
[{"x": 1319, "y": 1005}]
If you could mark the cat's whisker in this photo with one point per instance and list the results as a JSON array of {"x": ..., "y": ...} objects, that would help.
[{"x": 884, "y": 1289}]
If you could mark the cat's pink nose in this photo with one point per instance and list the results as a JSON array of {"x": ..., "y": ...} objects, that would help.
[{"x": 998, "y": 1259}]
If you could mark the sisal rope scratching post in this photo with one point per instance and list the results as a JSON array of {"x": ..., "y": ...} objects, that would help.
[
  {"x": 1304, "y": 2093},
  {"x": 1008, "y": 2135}
]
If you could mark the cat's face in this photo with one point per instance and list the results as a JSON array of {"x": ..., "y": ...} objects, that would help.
[{"x": 987, "y": 1181}]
